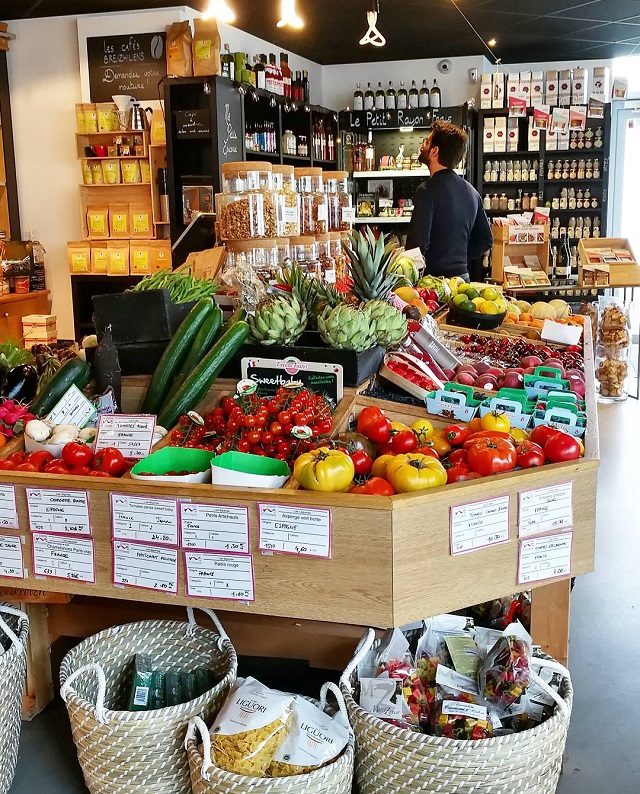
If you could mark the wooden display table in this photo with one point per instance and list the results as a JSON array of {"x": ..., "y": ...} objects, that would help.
[{"x": 14, "y": 307}]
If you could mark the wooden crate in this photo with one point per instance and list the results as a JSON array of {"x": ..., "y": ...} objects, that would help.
[
  {"x": 621, "y": 274},
  {"x": 502, "y": 247}
]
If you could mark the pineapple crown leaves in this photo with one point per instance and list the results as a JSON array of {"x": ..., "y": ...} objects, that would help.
[
  {"x": 309, "y": 290},
  {"x": 369, "y": 261}
]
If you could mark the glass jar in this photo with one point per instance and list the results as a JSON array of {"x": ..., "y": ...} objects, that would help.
[
  {"x": 284, "y": 251},
  {"x": 338, "y": 254},
  {"x": 288, "y": 201},
  {"x": 261, "y": 255},
  {"x": 327, "y": 262},
  {"x": 304, "y": 251},
  {"x": 339, "y": 201},
  {"x": 247, "y": 216},
  {"x": 246, "y": 177},
  {"x": 313, "y": 201},
  {"x": 612, "y": 353}
]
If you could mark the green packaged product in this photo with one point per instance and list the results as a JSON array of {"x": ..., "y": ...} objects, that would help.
[
  {"x": 189, "y": 687},
  {"x": 158, "y": 699},
  {"x": 205, "y": 680},
  {"x": 173, "y": 689},
  {"x": 141, "y": 685}
]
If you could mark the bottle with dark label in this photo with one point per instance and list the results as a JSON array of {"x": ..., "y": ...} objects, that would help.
[
  {"x": 413, "y": 95},
  {"x": 260, "y": 71},
  {"x": 286, "y": 74},
  {"x": 369, "y": 98},
  {"x": 423, "y": 101},
  {"x": 402, "y": 99},
  {"x": 227, "y": 63},
  {"x": 435, "y": 96},
  {"x": 358, "y": 98},
  {"x": 563, "y": 260},
  {"x": 380, "y": 97},
  {"x": 305, "y": 85},
  {"x": 391, "y": 98}
]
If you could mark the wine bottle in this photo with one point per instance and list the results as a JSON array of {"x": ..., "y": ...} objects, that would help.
[
  {"x": 260, "y": 71},
  {"x": 435, "y": 96},
  {"x": 305, "y": 85},
  {"x": 286, "y": 74},
  {"x": 563, "y": 260},
  {"x": 369, "y": 98},
  {"x": 370, "y": 154},
  {"x": 227, "y": 63},
  {"x": 380, "y": 97},
  {"x": 358, "y": 98},
  {"x": 413, "y": 95},
  {"x": 402, "y": 99},
  {"x": 423, "y": 100},
  {"x": 391, "y": 98}
]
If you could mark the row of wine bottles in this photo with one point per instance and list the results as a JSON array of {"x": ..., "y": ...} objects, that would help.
[
  {"x": 397, "y": 100},
  {"x": 267, "y": 74}
]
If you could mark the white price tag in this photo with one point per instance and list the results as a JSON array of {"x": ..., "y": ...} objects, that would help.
[
  {"x": 132, "y": 435},
  {"x": 294, "y": 530},
  {"x": 60, "y": 512},
  {"x": 225, "y": 576},
  {"x": 545, "y": 509},
  {"x": 290, "y": 214},
  {"x": 452, "y": 680},
  {"x": 348, "y": 214},
  {"x": 149, "y": 567},
  {"x": 145, "y": 519},
  {"x": 322, "y": 212},
  {"x": 73, "y": 409},
  {"x": 479, "y": 524},
  {"x": 465, "y": 709},
  {"x": 8, "y": 510},
  {"x": 214, "y": 527},
  {"x": 545, "y": 558},
  {"x": 11, "y": 563},
  {"x": 382, "y": 697},
  {"x": 60, "y": 557}
]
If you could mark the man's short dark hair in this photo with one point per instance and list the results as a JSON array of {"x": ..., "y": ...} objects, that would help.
[{"x": 451, "y": 141}]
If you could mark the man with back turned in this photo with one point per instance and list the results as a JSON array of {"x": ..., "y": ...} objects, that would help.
[{"x": 448, "y": 224}]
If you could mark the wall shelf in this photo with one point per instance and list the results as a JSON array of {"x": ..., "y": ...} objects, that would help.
[{"x": 376, "y": 221}]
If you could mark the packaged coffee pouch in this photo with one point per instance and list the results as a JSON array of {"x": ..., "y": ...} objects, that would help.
[
  {"x": 206, "y": 48},
  {"x": 179, "y": 63}
]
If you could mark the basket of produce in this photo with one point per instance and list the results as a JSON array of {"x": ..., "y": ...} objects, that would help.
[
  {"x": 286, "y": 743},
  {"x": 130, "y": 693},
  {"x": 14, "y": 630},
  {"x": 466, "y": 711}
]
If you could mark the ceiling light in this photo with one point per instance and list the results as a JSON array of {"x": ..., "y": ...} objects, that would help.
[
  {"x": 289, "y": 15},
  {"x": 220, "y": 10},
  {"x": 373, "y": 35},
  {"x": 492, "y": 42}
]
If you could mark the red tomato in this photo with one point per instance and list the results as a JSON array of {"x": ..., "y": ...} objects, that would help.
[
  {"x": 529, "y": 455},
  {"x": 75, "y": 454},
  {"x": 456, "y": 435},
  {"x": 376, "y": 486},
  {"x": 7, "y": 465},
  {"x": 458, "y": 456},
  {"x": 403, "y": 442},
  {"x": 26, "y": 467},
  {"x": 56, "y": 467},
  {"x": 17, "y": 457},
  {"x": 99, "y": 474},
  {"x": 377, "y": 430},
  {"x": 366, "y": 416},
  {"x": 468, "y": 442},
  {"x": 39, "y": 459},
  {"x": 491, "y": 456},
  {"x": 561, "y": 447},
  {"x": 428, "y": 451},
  {"x": 362, "y": 463},
  {"x": 542, "y": 434},
  {"x": 386, "y": 449},
  {"x": 457, "y": 473},
  {"x": 110, "y": 460},
  {"x": 80, "y": 471}
]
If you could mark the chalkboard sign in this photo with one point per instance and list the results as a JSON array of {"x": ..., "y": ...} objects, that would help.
[
  {"x": 229, "y": 123},
  {"x": 271, "y": 373},
  {"x": 193, "y": 124},
  {"x": 132, "y": 65},
  {"x": 394, "y": 119}
]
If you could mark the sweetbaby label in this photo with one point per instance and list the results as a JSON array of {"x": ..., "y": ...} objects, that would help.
[
  {"x": 545, "y": 509},
  {"x": 148, "y": 567},
  {"x": 479, "y": 524},
  {"x": 214, "y": 527},
  {"x": 132, "y": 435},
  {"x": 8, "y": 511},
  {"x": 294, "y": 530},
  {"x": 145, "y": 519},
  {"x": 11, "y": 564},
  {"x": 59, "y": 557},
  {"x": 61, "y": 512},
  {"x": 545, "y": 558},
  {"x": 224, "y": 576}
]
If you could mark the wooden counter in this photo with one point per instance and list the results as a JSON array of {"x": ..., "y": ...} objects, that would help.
[{"x": 14, "y": 307}]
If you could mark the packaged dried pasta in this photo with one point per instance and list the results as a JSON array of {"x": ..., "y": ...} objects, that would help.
[
  {"x": 461, "y": 717},
  {"x": 504, "y": 674},
  {"x": 314, "y": 740},
  {"x": 249, "y": 729}
]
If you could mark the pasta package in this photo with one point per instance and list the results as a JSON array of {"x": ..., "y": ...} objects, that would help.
[
  {"x": 504, "y": 673},
  {"x": 250, "y": 728},
  {"x": 315, "y": 739}
]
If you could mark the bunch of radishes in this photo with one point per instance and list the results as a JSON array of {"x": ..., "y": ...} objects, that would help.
[{"x": 13, "y": 417}]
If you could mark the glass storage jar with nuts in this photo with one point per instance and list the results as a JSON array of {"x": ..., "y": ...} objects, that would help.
[
  {"x": 304, "y": 251},
  {"x": 612, "y": 353},
  {"x": 284, "y": 251},
  {"x": 246, "y": 210},
  {"x": 313, "y": 201},
  {"x": 261, "y": 255},
  {"x": 339, "y": 202},
  {"x": 288, "y": 201}
]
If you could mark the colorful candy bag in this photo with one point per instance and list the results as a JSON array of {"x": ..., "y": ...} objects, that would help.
[{"x": 503, "y": 675}]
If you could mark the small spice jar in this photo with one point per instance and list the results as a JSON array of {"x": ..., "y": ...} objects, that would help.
[
  {"x": 261, "y": 255},
  {"x": 326, "y": 260},
  {"x": 284, "y": 251},
  {"x": 313, "y": 201},
  {"x": 288, "y": 201},
  {"x": 339, "y": 202},
  {"x": 338, "y": 254},
  {"x": 304, "y": 251}
]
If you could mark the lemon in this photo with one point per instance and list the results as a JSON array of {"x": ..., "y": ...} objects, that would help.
[
  {"x": 478, "y": 302},
  {"x": 501, "y": 304},
  {"x": 472, "y": 293},
  {"x": 489, "y": 307},
  {"x": 460, "y": 299},
  {"x": 489, "y": 293},
  {"x": 462, "y": 288}
]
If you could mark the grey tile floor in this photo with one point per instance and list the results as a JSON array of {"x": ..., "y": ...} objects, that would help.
[{"x": 602, "y": 752}]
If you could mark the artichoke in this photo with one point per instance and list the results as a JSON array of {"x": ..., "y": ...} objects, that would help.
[
  {"x": 278, "y": 320},
  {"x": 347, "y": 328},
  {"x": 390, "y": 324}
]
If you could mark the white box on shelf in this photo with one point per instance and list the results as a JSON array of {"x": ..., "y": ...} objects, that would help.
[
  {"x": 525, "y": 86},
  {"x": 579, "y": 87},
  {"x": 564, "y": 87},
  {"x": 500, "y": 139},
  {"x": 551, "y": 144},
  {"x": 488, "y": 135},
  {"x": 513, "y": 85},
  {"x": 512, "y": 135},
  {"x": 486, "y": 91},
  {"x": 551, "y": 90},
  {"x": 498, "y": 90},
  {"x": 563, "y": 141},
  {"x": 537, "y": 88},
  {"x": 534, "y": 137},
  {"x": 601, "y": 83}
]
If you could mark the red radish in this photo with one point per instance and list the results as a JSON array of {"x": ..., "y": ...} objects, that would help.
[{"x": 528, "y": 362}]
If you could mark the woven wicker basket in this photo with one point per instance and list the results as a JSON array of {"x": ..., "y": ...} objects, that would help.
[
  {"x": 142, "y": 752},
  {"x": 206, "y": 778},
  {"x": 391, "y": 760},
  {"x": 14, "y": 624}
]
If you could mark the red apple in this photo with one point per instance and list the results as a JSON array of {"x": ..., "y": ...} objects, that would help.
[{"x": 529, "y": 362}]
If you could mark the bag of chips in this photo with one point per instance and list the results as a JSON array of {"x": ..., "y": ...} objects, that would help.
[{"x": 249, "y": 729}]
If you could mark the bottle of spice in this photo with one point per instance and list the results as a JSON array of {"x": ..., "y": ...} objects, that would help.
[{"x": 339, "y": 202}]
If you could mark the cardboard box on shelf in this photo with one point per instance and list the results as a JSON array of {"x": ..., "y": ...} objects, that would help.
[
  {"x": 512, "y": 134},
  {"x": 118, "y": 253},
  {"x": 486, "y": 91},
  {"x": 500, "y": 135},
  {"x": 537, "y": 89},
  {"x": 513, "y": 85},
  {"x": 612, "y": 253},
  {"x": 488, "y": 137},
  {"x": 579, "y": 87},
  {"x": 498, "y": 99},
  {"x": 206, "y": 264},
  {"x": 79, "y": 254},
  {"x": 551, "y": 144},
  {"x": 533, "y": 137},
  {"x": 551, "y": 89},
  {"x": 99, "y": 258},
  {"x": 601, "y": 83},
  {"x": 525, "y": 87},
  {"x": 564, "y": 87}
]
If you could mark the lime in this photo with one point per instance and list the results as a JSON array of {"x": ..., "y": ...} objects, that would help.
[
  {"x": 472, "y": 293},
  {"x": 462, "y": 288},
  {"x": 467, "y": 306},
  {"x": 489, "y": 293},
  {"x": 459, "y": 299}
]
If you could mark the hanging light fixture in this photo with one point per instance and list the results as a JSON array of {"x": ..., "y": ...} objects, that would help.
[
  {"x": 289, "y": 15},
  {"x": 373, "y": 35},
  {"x": 220, "y": 10}
]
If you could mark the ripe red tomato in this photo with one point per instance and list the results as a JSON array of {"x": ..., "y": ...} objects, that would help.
[
  {"x": 362, "y": 463},
  {"x": 39, "y": 459},
  {"x": 80, "y": 471},
  {"x": 17, "y": 457},
  {"x": 377, "y": 430},
  {"x": 110, "y": 460},
  {"x": 376, "y": 486},
  {"x": 98, "y": 474},
  {"x": 7, "y": 465},
  {"x": 458, "y": 456},
  {"x": 458, "y": 473},
  {"x": 428, "y": 451},
  {"x": 541, "y": 434},
  {"x": 470, "y": 440},
  {"x": 75, "y": 454},
  {"x": 56, "y": 467},
  {"x": 456, "y": 435},
  {"x": 491, "y": 456},
  {"x": 561, "y": 447},
  {"x": 403, "y": 442},
  {"x": 26, "y": 467},
  {"x": 366, "y": 416},
  {"x": 529, "y": 455}
]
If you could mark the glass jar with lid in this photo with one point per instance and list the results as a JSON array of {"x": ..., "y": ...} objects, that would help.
[
  {"x": 244, "y": 177},
  {"x": 327, "y": 262},
  {"x": 261, "y": 255},
  {"x": 313, "y": 201},
  {"x": 339, "y": 201},
  {"x": 284, "y": 251},
  {"x": 612, "y": 352},
  {"x": 304, "y": 251},
  {"x": 288, "y": 201},
  {"x": 247, "y": 207},
  {"x": 338, "y": 254}
]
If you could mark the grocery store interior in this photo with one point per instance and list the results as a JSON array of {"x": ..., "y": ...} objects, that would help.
[{"x": 295, "y": 275}]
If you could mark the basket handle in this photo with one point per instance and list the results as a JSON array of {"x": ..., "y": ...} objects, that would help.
[
  {"x": 6, "y": 628},
  {"x": 342, "y": 706},
  {"x": 364, "y": 646},
  {"x": 197, "y": 725},
  {"x": 67, "y": 689},
  {"x": 557, "y": 668},
  {"x": 214, "y": 619}
]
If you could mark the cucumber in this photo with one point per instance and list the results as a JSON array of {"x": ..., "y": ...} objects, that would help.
[
  {"x": 203, "y": 342},
  {"x": 174, "y": 356},
  {"x": 72, "y": 372},
  {"x": 239, "y": 314},
  {"x": 196, "y": 386}
]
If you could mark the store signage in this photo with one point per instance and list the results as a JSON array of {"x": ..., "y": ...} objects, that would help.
[
  {"x": 477, "y": 525},
  {"x": 131, "y": 434},
  {"x": 545, "y": 509},
  {"x": 133, "y": 65},
  {"x": 229, "y": 110},
  {"x": 304, "y": 531},
  {"x": 59, "y": 512},
  {"x": 548, "y": 557},
  {"x": 193, "y": 123},
  {"x": 272, "y": 373},
  {"x": 214, "y": 527},
  {"x": 146, "y": 519},
  {"x": 11, "y": 564},
  {"x": 63, "y": 557},
  {"x": 8, "y": 511},
  {"x": 225, "y": 576},
  {"x": 394, "y": 119},
  {"x": 73, "y": 408},
  {"x": 148, "y": 567}
]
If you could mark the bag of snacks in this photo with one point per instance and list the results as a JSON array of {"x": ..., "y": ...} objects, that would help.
[
  {"x": 504, "y": 673},
  {"x": 249, "y": 729}
]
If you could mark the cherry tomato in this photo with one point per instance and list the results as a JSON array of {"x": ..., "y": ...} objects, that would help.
[
  {"x": 249, "y": 421},
  {"x": 562, "y": 447},
  {"x": 377, "y": 430},
  {"x": 284, "y": 417},
  {"x": 541, "y": 434},
  {"x": 529, "y": 455},
  {"x": 362, "y": 463},
  {"x": 439, "y": 443},
  {"x": 424, "y": 450},
  {"x": 458, "y": 473},
  {"x": 243, "y": 445},
  {"x": 376, "y": 486},
  {"x": 403, "y": 442},
  {"x": 110, "y": 460},
  {"x": 266, "y": 437},
  {"x": 7, "y": 465},
  {"x": 253, "y": 436},
  {"x": 26, "y": 467},
  {"x": 458, "y": 456},
  {"x": 491, "y": 456},
  {"x": 39, "y": 459},
  {"x": 456, "y": 434},
  {"x": 276, "y": 428}
]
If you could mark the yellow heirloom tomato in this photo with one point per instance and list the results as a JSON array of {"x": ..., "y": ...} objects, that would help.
[
  {"x": 324, "y": 469},
  {"x": 415, "y": 472}
]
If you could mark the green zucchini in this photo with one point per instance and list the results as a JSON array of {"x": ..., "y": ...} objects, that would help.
[
  {"x": 174, "y": 356},
  {"x": 239, "y": 314},
  {"x": 74, "y": 372},
  {"x": 196, "y": 386},
  {"x": 203, "y": 342}
]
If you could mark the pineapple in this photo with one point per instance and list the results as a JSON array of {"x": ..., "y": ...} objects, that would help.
[
  {"x": 311, "y": 292},
  {"x": 369, "y": 262}
]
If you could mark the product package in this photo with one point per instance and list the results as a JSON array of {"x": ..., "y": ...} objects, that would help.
[
  {"x": 460, "y": 717},
  {"x": 98, "y": 222},
  {"x": 99, "y": 258},
  {"x": 140, "y": 697},
  {"x": 119, "y": 220},
  {"x": 206, "y": 48},
  {"x": 179, "y": 60},
  {"x": 79, "y": 257},
  {"x": 504, "y": 673},
  {"x": 118, "y": 253},
  {"x": 141, "y": 220}
]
